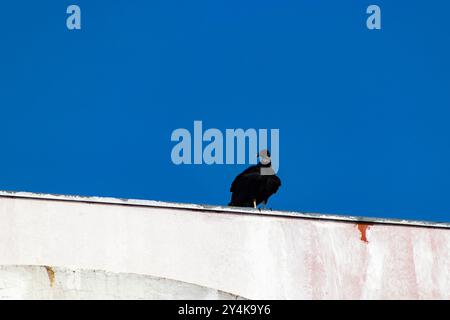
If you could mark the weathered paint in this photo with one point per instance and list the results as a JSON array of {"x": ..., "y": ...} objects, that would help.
[
  {"x": 32, "y": 282},
  {"x": 51, "y": 275},
  {"x": 267, "y": 255},
  {"x": 363, "y": 227}
]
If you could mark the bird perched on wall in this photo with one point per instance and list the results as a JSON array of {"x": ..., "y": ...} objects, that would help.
[{"x": 256, "y": 184}]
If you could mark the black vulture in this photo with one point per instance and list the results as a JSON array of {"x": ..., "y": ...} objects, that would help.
[{"x": 256, "y": 184}]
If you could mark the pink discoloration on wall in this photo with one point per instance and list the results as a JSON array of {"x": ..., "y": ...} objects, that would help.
[{"x": 249, "y": 254}]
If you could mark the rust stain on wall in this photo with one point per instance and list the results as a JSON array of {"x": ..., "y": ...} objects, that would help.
[
  {"x": 51, "y": 275},
  {"x": 363, "y": 227}
]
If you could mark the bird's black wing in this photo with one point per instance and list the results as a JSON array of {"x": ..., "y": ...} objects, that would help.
[
  {"x": 249, "y": 170},
  {"x": 246, "y": 190},
  {"x": 273, "y": 184},
  {"x": 268, "y": 187}
]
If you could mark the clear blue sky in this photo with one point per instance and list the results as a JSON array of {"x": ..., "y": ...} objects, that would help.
[{"x": 363, "y": 115}]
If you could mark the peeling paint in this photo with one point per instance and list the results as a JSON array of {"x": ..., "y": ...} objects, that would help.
[
  {"x": 51, "y": 275},
  {"x": 363, "y": 227}
]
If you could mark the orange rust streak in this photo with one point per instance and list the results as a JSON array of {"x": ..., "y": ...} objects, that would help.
[
  {"x": 362, "y": 227},
  {"x": 51, "y": 275}
]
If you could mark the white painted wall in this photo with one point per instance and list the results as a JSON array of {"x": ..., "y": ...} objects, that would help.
[
  {"x": 272, "y": 255},
  {"x": 50, "y": 283}
]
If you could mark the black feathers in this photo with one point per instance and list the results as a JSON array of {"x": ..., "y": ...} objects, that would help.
[{"x": 254, "y": 186}]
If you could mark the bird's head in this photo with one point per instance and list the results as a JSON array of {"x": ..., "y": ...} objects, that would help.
[{"x": 264, "y": 157}]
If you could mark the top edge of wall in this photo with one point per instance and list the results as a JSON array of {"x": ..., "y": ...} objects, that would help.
[{"x": 220, "y": 209}]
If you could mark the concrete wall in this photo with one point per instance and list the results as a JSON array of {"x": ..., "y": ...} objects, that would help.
[
  {"x": 44, "y": 282},
  {"x": 268, "y": 255}
]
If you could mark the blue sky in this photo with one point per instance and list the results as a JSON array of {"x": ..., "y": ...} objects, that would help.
[{"x": 363, "y": 115}]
